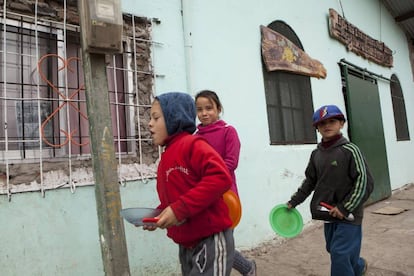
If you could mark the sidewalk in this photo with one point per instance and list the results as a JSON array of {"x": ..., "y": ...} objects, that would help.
[{"x": 387, "y": 243}]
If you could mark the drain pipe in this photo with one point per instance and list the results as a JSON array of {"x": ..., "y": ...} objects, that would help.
[{"x": 188, "y": 44}]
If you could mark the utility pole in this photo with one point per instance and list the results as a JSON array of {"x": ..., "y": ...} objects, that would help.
[{"x": 107, "y": 194}]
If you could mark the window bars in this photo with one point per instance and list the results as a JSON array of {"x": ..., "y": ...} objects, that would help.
[{"x": 44, "y": 141}]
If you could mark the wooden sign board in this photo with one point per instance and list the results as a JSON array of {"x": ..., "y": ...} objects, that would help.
[
  {"x": 357, "y": 41},
  {"x": 279, "y": 53}
]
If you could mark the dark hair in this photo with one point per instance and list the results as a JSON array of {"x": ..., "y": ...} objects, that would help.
[{"x": 212, "y": 96}]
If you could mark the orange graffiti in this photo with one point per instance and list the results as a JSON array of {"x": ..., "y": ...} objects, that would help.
[{"x": 66, "y": 101}]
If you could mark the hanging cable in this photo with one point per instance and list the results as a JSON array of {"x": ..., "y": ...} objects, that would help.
[
  {"x": 342, "y": 9},
  {"x": 39, "y": 115},
  {"x": 6, "y": 133}
]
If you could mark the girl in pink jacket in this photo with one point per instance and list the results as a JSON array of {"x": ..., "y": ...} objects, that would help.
[{"x": 225, "y": 141}]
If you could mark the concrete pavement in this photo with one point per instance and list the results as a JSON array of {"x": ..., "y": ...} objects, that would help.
[{"x": 387, "y": 243}]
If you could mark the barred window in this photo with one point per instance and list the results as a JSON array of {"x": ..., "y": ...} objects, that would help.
[
  {"x": 44, "y": 131},
  {"x": 289, "y": 100}
]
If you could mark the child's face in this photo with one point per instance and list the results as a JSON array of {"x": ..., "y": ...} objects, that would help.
[
  {"x": 329, "y": 128},
  {"x": 207, "y": 111},
  {"x": 157, "y": 125}
]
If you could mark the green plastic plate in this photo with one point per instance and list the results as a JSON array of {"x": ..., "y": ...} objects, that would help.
[{"x": 286, "y": 223}]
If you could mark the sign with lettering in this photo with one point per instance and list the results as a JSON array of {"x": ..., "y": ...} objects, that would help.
[{"x": 357, "y": 41}]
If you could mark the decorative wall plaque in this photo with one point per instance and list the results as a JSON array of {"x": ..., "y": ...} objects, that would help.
[
  {"x": 279, "y": 53},
  {"x": 357, "y": 41}
]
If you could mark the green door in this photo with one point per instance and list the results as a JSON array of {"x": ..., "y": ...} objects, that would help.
[{"x": 366, "y": 129}]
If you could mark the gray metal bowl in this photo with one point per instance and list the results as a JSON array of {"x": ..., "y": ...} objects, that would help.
[{"x": 135, "y": 215}]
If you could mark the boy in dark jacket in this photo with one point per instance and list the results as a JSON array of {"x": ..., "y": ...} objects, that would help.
[
  {"x": 191, "y": 180},
  {"x": 340, "y": 180}
]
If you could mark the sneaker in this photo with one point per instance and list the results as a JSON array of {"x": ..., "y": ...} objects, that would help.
[
  {"x": 252, "y": 271},
  {"x": 365, "y": 266}
]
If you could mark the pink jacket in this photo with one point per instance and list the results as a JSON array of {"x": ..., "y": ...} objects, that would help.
[{"x": 224, "y": 139}]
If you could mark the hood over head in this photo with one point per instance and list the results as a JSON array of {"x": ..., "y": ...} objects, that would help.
[{"x": 179, "y": 112}]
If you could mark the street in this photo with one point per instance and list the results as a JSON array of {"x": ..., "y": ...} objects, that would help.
[{"x": 387, "y": 243}]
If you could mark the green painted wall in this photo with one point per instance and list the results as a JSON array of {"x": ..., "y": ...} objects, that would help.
[
  {"x": 58, "y": 234},
  {"x": 55, "y": 235}
]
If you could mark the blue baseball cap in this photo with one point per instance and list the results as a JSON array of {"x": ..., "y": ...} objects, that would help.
[{"x": 326, "y": 112}]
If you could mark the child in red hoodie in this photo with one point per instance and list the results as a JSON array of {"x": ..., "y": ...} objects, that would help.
[{"x": 191, "y": 179}]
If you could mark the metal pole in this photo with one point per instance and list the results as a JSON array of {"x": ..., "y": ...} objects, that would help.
[
  {"x": 107, "y": 194},
  {"x": 363, "y": 70}
]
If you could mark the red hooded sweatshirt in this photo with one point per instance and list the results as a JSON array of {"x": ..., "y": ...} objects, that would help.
[{"x": 191, "y": 176}]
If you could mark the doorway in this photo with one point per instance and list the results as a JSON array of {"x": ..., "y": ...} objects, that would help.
[{"x": 365, "y": 127}]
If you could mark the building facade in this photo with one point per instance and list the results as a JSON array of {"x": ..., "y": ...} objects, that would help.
[{"x": 271, "y": 62}]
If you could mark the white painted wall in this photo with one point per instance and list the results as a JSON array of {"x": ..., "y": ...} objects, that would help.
[
  {"x": 168, "y": 58},
  {"x": 222, "y": 53},
  {"x": 225, "y": 56}
]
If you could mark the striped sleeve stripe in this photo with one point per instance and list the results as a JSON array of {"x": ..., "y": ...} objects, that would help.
[{"x": 361, "y": 181}]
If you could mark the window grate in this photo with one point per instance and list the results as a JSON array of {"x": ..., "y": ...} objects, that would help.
[{"x": 44, "y": 132}]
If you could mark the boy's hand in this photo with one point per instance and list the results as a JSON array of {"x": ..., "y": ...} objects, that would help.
[{"x": 336, "y": 213}]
